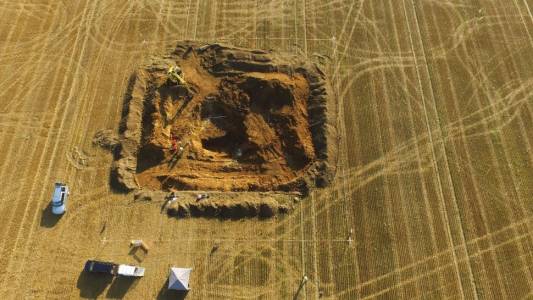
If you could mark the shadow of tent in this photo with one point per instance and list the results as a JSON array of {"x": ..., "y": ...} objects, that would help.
[
  {"x": 120, "y": 286},
  {"x": 92, "y": 285},
  {"x": 165, "y": 293},
  {"x": 48, "y": 219}
]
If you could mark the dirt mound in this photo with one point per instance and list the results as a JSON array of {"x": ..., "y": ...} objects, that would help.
[
  {"x": 264, "y": 208},
  {"x": 106, "y": 139},
  {"x": 244, "y": 120}
]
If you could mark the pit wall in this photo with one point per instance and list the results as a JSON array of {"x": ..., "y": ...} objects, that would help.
[{"x": 224, "y": 60}]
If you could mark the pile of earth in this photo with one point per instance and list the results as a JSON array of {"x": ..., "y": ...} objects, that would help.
[
  {"x": 245, "y": 120},
  {"x": 263, "y": 208},
  {"x": 222, "y": 205}
]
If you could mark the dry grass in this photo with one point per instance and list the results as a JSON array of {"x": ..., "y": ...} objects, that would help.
[{"x": 435, "y": 175}]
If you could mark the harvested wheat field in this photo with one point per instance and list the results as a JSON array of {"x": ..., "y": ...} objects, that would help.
[{"x": 425, "y": 189}]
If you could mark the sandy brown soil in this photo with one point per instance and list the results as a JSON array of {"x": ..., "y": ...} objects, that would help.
[
  {"x": 242, "y": 122},
  {"x": 432, "y": 194}
]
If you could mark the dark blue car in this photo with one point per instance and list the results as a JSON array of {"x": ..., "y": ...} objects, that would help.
[{"x": 100, "y": 267}]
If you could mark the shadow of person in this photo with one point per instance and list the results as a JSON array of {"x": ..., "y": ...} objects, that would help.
[
  {"x": 48, "y": 219},
  {"x": 120, "y": 287},
  {"x": 92, "y": 285},
  {"x": 173, "y": 160},
  {"x": 166, "y": 294}
]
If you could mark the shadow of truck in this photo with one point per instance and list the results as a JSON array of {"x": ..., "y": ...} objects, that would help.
[
  {"x": 48, "y": 219},
  {"x": 120, "y": 287},
  {"x": 92, "y": 285}
]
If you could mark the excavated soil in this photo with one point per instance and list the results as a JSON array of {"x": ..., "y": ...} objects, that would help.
[{"x": 247, "y": 120}]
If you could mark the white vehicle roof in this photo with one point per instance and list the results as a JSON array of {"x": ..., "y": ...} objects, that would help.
[
  {"x": 59, "y": 187},
  {"x": 59, "y": 198},
  {"x": 130, "y": 270}
]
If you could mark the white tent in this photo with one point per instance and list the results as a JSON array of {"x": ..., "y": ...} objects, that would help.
[{"x": 179, "y": 279}]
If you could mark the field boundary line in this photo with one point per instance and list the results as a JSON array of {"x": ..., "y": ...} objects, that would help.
[
  {"x": 10, "y": 145},
  {"x": 432, "y": 145},
  {"x": 61, "y": 125},
  {"x": 342, "y": 142},
  {"x": 89, "y": 100},
  {"x": 493, "y": 152},
  {"x": 21, "y": 225},
  {"x": 446, "y": 159},
  {"x": 348, "y": 41},
  {"x": 475, "y": 184},
  {"x": 420, "y": 170},
  {"x": 471, "y": 170},
  {"x": 196, "y": 19}
]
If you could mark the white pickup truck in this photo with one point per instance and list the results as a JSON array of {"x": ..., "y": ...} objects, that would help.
[{"x": 126, "y": 270}]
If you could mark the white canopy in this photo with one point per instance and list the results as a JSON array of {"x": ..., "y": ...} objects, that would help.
[{"x": 179, "y": 279}]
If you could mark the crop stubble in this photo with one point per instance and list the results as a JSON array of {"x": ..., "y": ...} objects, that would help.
[{"x": 434, "y": 172}]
